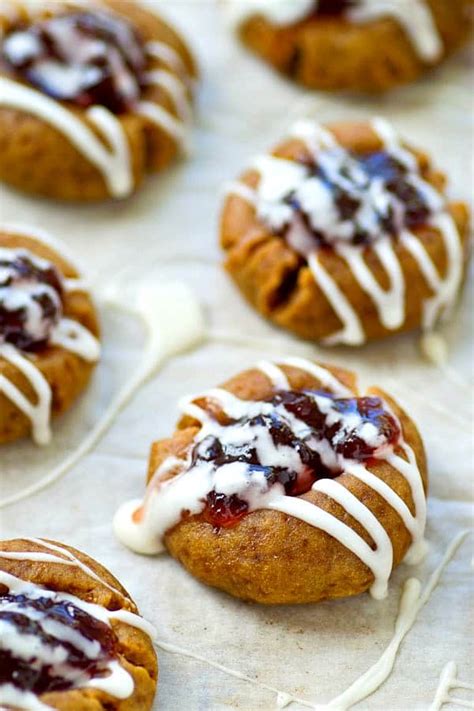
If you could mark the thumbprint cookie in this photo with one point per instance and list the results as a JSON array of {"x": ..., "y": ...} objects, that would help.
[
  {"x": 344, "y": 234},
  {"x": 48, "y": 334},
  {"x": 286, "y": 485},
  {"x": 93, "y": 96},
  {"x": 71, "y": 637},
  {"x": 355, "y": 45}
]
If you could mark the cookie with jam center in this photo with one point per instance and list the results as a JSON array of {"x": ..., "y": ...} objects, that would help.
[
  {"x": 71, "y": 637},
  {"x": 343, "y": 234},
  {"x": 92, "y": 98},
  {"x": 355, "y": 45},
  {"x": 285, "y": 485},
  {"x": 49, "y": 334}
]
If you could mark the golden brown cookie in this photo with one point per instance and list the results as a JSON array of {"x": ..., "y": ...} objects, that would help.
[
  {"x": 92, "y": 651},
  {"x": 91, "y": 98},
  {"x": 356, "y": 45},
  {"x": 344, "y": 234},
  {"x": 48, "y": 334},
  {"x": 286, "y": 485}
]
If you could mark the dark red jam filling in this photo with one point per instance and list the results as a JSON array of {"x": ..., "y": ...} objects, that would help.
[
  {"x": 343, "y": 435},
  {"x": 38, "y": 676},
  {"x": 26, "y": 287},
  {"x": 327, "y": 8},
  {"x": 85, "y": 58},
  {"x": 351, "y": 187}
]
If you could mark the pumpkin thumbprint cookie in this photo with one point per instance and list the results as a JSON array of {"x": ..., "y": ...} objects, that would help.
[
  {"x": 71, "y": 637},
  {"x": 286, "y": 485},
  {"x": 344, "y": 234},
  {"x": 48, "y": 334},
  {"x": 93, "y": 96}
]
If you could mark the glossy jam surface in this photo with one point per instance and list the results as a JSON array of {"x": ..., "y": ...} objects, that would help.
[
  {"x": 85, "y": 58},
  {"x": 312, "y": 433},
  {"x": 31, "y": 292},
  {"x": 51, "y": 645},
  {"x": 354, "y": 199}
]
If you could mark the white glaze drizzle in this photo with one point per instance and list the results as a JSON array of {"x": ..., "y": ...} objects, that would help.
[
  {"x": 279, "y": 177},
  {"x": 50, "y": 556},
  {"x": 38, "y": 413},
  {"x": 176, "y": 90},
  {"x": 142, "y": 525},
  {"x": 412, "y": 600},
  {"x": 167, "y": 54},
  {"x": 174, "y": 323},
  {"x": 113, "y": 163},
  {"x": 67, "y": 334},
  {"x": 73, "y": 337},
  {"x": 415, "y": 17},
  {"x": 447, "y": 681},
  {"x": 111, "y": 157},
  {"x": 117, "y": 683},
  {"x": 65, "y": 557}
]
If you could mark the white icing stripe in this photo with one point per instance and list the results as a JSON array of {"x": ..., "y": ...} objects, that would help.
[
  {"x": 25, "y": 700},
  {"x": 165, "y": 53},
  {"x": 413, "y": 525},
  {"x": 38, "y": 413},
  {"x": 175, "y": 89},
  {"x": 390, "y": 304},
  {"x": 447, "y": 289},
  {"x": 275, "y": 375},
  {"x": 165, "y": 501},
  {"x": 113, "y": 164},
  {"x": 71, "y": 559},
  {"x": 447, "y": 682},
  {"x": 325, "y": 377},
  {"x": 31, "y": 231},
  {"x": 313, "y": 134},
  {"x": 415, "y": 18},
  {"x": 73, "y": 337},
  {"x": 242, "y": 190},
  {"x": 351, "y": 333},
  {"x": 162, "y": 118},
  {"x": 379, "y": 561},
  {"x": 121, "y": 615},
  {"x": 409, "y": 470}
]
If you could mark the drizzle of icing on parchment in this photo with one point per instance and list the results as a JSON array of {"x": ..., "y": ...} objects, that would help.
[
  {"x": 251, "y": 455},
  {"x": 346, "y": 202},
  {"x": 413, "y": 598},
  {"x": 174, "y": 323}
]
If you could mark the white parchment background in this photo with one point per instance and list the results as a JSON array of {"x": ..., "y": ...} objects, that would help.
[{"x": 169, "y": 229}]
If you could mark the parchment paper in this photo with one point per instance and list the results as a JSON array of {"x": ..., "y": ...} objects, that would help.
[{"x": 169, "y": 229}]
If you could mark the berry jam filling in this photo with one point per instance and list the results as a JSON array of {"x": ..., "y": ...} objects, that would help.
[
  {"x": 70, "y": 646},
  {"x": 31, "y": 293},
  {"x": 299, "y": 438},
  {"x": 346, "y": 198},
  {"x": 324, "y": 8},
  {"x": 85, "y": 58}
]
